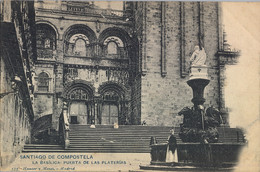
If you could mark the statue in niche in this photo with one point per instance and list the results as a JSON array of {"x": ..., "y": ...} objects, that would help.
[
  {"x": 198, "y": 57},
  {"x": 47, "y": 43}
]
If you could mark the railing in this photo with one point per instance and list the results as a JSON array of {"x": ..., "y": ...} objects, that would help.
[
  {"x": 64, "y": 129},
  {"x": 96, "y": 50}
]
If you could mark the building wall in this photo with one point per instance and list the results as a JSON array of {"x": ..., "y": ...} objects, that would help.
[
  {"x": 164, "y": 96},
  {"x": 15, "y": 126},
  {"x": 43, "y": 103},
  {"x": 17, "y": 54},
  {"x": 166, "y": 34}
]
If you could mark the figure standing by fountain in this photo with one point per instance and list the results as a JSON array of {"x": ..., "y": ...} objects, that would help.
[{"x": 171, "y": 152}]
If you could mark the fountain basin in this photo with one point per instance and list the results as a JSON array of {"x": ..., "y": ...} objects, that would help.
[{"x": 197, "y": 154}]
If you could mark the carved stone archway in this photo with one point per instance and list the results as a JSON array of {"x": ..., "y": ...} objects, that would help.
[
  {"x": 113, "y": 104},
  {"x": 79, "y": 98}
]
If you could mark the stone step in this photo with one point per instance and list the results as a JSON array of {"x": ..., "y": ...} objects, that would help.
[
  {"x": 114, "y": 137},
  {"x": 42, "y": 145},
  {"x": 92, "y": 150}
]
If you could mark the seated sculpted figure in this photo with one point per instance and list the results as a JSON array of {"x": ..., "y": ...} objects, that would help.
[{"x": 198, "y": 57}]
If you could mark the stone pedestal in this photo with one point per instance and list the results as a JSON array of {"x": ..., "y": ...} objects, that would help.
[
  {"x": 199, "y": 72},
  {"x": 198, "y": 86},
  {"x": 198, "y": 81}
]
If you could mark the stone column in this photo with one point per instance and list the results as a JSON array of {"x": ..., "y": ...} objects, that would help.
[
  {"x": 222, "y": 109},
  {"x": 97, "y": 107},
  {"x": 58, "y": 83}
]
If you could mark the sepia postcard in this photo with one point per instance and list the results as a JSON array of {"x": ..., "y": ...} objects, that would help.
[{"x": 129, "y": 85}]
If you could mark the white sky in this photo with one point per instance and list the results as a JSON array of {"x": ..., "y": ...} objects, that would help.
[{"x": 242, "y": 24}]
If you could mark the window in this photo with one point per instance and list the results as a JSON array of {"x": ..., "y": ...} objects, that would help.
[
  {"x": 45, "y": 36},
  {"x": 45, "y": 41},
  {"x": 114, "y": 47},
  {"x": 111, "y": 48},
  {"x": 77, "y": 45},
  {"x": 43, "y": 82},
  {"x": 80, "y": 47}
]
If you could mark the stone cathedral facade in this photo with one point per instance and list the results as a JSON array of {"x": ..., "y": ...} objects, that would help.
[
  {"x": 129, "y": 66},
  {"x": 103, "y": 64}
]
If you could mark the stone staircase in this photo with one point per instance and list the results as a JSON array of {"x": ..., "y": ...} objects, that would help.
[
  {"x": 131, "y": 139},
  {"x": 42, "y": 148},
  {"x": 125, "y": 139},
  {"x": 107, "y": 139}
]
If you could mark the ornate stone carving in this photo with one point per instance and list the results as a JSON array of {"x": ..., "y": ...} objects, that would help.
[
  {"x": 70, "y": 74},
  {"x": 111, "y": 96},
  {"x": 200, "y": 125},
  {"x": 78, "y": 94}
]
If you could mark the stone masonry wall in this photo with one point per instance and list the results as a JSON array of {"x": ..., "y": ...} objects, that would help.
[
  {"x": 136, "y": 101},
  {"x": 212, "y": 91},
  {"x": 163, "y": 97},
  {"x": 15, "y": 128}
]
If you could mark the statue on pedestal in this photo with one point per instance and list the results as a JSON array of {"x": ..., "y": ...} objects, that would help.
[
  {"x": 198, "y": 68},
  {"x": 198, "y": 57}
]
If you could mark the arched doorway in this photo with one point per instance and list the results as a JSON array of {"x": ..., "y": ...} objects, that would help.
[
  {"x": 112, "y": 108},
  {"x": 80, "y": 104},
  {"x": 79, "y": 112}
]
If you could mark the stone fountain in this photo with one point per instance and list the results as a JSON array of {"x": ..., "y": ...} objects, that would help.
[
  {"x": 199, "y": 124},
  {"x": 201, "y": 145}
]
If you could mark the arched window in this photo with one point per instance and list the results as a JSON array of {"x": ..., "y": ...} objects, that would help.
[
  {"x": 43, "y": 82},
  {"x": 77, "y": 45},
  {"x": 45, "y": 36},
  {"x": 111, "y": 48},
  {"x": 80, "y": 47},
  {"x": 46, "y": 41}
]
